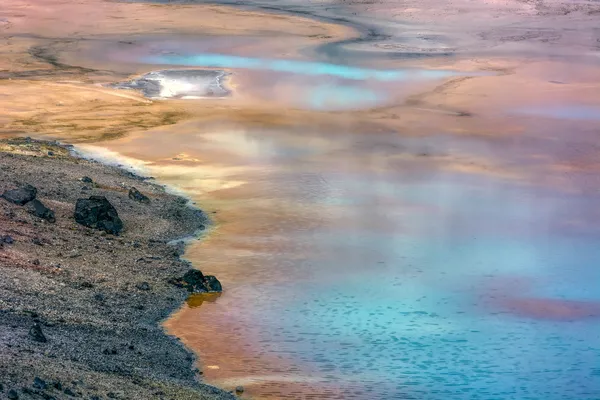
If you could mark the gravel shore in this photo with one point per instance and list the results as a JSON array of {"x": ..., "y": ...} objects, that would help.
[{"x": 80, "y": 309}]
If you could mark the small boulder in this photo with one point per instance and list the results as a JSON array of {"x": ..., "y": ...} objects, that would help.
[
  {"x": 239, "y": 389},
  {"x": 212, "y": 284},
  {"x": 20, "y": 196},
  {"x": 97, "y": 212},
  {"x": 196, "y": 282},
  {"x": 13, "y": 395},
  {"x": 138, "y": 196},
  {"x": 7, "y": 239},
  {"x": 38, "y": 209},
  {"x": 87, "y": 179},
  {"x": 193, "y": 280},
  {"x": 36, "y": 333}
]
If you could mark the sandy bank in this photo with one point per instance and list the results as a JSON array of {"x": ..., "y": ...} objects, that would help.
[{"x": 98, "y": 298}]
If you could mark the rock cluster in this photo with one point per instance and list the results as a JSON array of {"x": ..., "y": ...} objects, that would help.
[
  {"x": 196, "y": 282},
  {"x": 26, "y": 195}
]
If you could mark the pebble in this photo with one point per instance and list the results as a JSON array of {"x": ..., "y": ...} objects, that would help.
[
  {"x": 39, "y": 383},
  {"x": 239, "y": 389},
  {"x": 37, "y": 334},
  {"x": 143, "y": 286}
]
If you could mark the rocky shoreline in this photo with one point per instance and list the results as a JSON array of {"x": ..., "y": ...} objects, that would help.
[{"x": 80, "y": 308}]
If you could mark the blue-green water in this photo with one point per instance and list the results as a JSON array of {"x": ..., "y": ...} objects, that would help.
[
  {"x": 298, "y": 67},
  {"x": 389, "y": 276}
]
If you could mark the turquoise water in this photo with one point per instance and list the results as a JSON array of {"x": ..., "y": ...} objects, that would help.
[{"x": 298, "y": 67}]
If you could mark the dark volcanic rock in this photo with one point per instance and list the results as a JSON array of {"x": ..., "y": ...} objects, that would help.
[
  {"x": 13, "y": 395},
  {"x": 20, "y": 196},
  {"x": 7, "y": 239},
  {"x": 212, "y": 284},
  {"x": 39, "y": 383},
  {"x": 196, "y": 282},
  {"x": 87, "y": 179},
  {"x": 96, "y": 212},
  {"x": 143, "y": 286},
  {"x": 36, "y": 333},
  {"x": 38, "y": 209},
  {"x": 136, "y": 195}
]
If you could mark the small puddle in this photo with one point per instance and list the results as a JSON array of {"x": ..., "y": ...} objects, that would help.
[{"x": 182, "y": 84}]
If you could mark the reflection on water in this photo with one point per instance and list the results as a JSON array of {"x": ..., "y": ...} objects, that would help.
[
  {"x": 589, "y": 113},
  {"x": 196, "y": 300},
  {"x": 356, "y": 267},
  {"x": 325, "y": 97}
]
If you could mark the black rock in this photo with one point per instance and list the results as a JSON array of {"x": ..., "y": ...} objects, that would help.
[
  {"x": 97, "y": 212},
  {"x": 57, "y": 385},
  {"x": 38, "y": 209},
  {"x": 86, "y": 285},
  {"x": 136, "y": 195},
  {"x": 194, "y": 279},
  {"x": 20, "y": 196},
  {"x": 13, "y": 395},
  {"x": 7, "y": 239},
  {"x": 39, "y": 383},
  {"x": 1, "y": 387},
  {"x": 196, "y": 282},
  {"x": 239, "y": 389},
  {"x": 212, "y": 284},
  {"x": 36, "y": 333},
  {"x": 69, "y": 392},
  {"x": 51, "y": 153},
  {"x": 143, "y": 286},
  {"x": 87, "y": 179}
]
